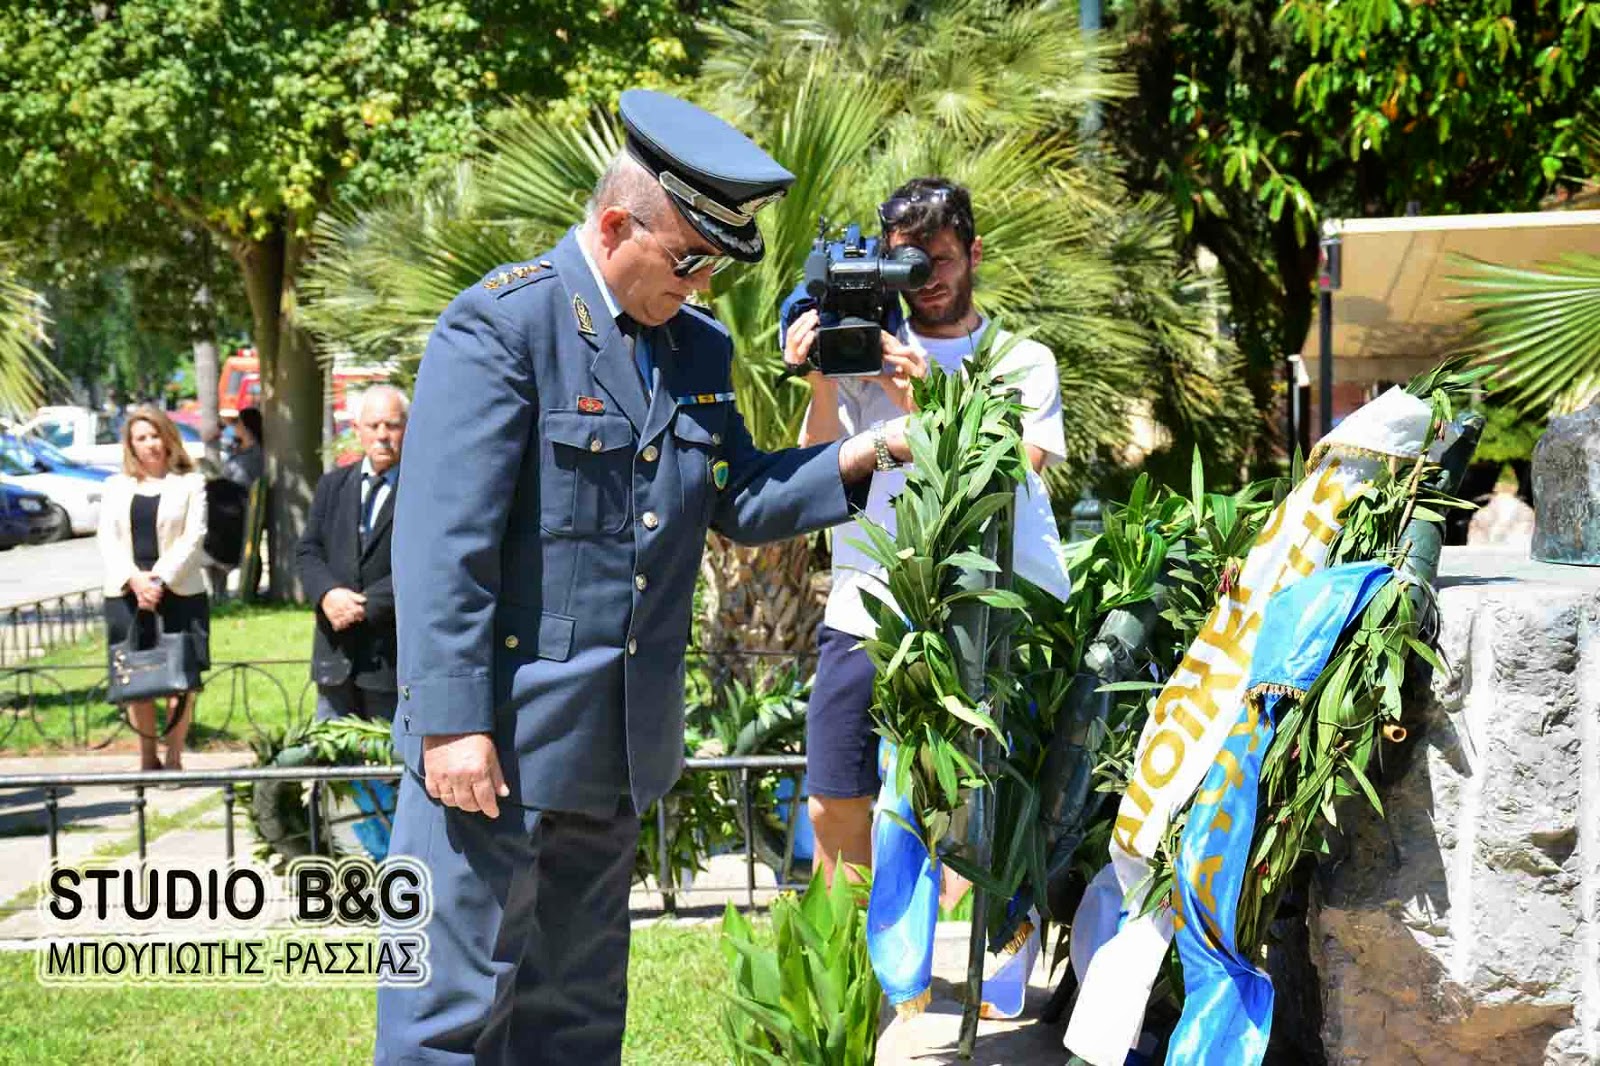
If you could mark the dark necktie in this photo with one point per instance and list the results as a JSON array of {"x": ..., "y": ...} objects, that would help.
[
  {"x": 374, "y": 482},
  {"x": 638, "y": 345}
]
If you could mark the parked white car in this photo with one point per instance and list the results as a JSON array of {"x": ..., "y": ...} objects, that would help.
[
  {"x": 73, "y": 497},
  {"x": 90, "y": 437}
]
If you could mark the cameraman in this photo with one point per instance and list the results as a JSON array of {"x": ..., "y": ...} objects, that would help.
[{"x": 935, "y": 215}]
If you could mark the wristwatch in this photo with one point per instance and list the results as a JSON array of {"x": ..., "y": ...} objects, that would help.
[{"x": 880, "y": 448}]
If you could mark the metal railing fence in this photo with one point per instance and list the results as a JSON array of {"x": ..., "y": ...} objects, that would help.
[
  {"x": 54, "y": 784},
  {"x": 63, "y": 707},
  {"x": 28, "y": 630}
]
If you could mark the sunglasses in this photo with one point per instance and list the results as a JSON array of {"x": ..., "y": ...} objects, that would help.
[
  {"x": 685, "y": 265},
  {"x": 892, "y": 211}
]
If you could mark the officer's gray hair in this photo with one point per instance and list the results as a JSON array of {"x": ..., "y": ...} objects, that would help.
[
  {"x": 628, "y": 185},
  {"x": 373, "y": 392}
]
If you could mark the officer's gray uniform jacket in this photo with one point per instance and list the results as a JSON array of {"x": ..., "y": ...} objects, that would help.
[{"x": 546, "y": 552}]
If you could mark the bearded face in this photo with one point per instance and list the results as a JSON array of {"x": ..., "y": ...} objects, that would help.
[{"x": 947, "y": 297}]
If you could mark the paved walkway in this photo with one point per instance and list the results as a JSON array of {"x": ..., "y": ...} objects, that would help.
[
  {"x": 183, "y": 825},
  {"x": 933, "y": 1036},
  {"x": 31, "y": 572}
]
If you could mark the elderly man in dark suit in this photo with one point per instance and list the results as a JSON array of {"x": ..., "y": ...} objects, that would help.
[
  {"x": 574, "y": 437},
  {"x": 345, "y": 568}
]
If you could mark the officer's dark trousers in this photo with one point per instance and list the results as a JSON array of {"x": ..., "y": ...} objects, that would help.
[{"x": 528, "y": 943}]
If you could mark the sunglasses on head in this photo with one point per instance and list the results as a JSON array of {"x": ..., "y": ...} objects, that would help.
[
  {"x": 893, "y": 210},
  {"x": 685, "y": 265}
]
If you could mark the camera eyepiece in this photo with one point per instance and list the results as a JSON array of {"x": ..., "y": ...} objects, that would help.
[{"x": 907, "y": 268}]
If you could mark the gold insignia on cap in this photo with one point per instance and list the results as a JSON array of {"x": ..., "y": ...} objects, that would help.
[{"x": 581, "y": 310}]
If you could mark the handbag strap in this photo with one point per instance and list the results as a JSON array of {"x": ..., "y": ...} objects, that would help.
[{"x": 131, "y": 641}]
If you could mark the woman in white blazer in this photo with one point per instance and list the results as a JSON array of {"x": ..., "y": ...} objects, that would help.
[{"x": 152, "y": 523}]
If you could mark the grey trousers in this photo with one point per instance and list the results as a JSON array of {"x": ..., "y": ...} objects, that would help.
[{"x": 528, "y": 943}]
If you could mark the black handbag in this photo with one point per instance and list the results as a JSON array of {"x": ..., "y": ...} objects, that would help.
[{"x": 171, "y": 666}]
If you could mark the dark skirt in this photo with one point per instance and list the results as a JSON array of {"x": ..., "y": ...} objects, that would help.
[{"x": 179, "y": 614}]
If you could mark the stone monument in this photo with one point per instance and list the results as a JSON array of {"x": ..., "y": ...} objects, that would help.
[
  {"x": 1566, "y": 489},
  {"x": 1464, "y": 929}
]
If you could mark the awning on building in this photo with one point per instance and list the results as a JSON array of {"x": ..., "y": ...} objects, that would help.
[{"x": 1393, "y": 316}]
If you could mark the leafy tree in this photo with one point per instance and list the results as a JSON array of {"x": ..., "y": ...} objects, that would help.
[
  {"x": 130, "y": 324},
  {"x": 98, "y": 339},
  {"x": 1256, "y": 118},
  {"x": 244, "y": 119}
]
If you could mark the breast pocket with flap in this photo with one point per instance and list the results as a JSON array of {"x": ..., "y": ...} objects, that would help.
[{"x": 585, "y": 473}]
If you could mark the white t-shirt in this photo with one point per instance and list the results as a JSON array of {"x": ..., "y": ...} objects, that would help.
[{"x": 1037, "y": 552}]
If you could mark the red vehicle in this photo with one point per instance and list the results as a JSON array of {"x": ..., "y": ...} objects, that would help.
[{"x": 238, "y": 383}]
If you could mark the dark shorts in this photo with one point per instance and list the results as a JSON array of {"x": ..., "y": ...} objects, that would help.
[
  {"x": 841, "y": 747},
  {"x": 178, "y": 614}
]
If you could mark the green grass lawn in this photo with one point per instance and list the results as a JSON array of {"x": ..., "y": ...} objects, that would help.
[
  {"x": 676, "y": 978},
  {"x": 63, "y": 708}
]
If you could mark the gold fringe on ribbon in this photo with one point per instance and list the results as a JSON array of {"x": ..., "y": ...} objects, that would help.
[
  {"x": 1014, "y": 945},
  {"x": 1351, "y": 451},
  {"x": 914, "y": 1006},
  {"x": 1266, "y": 688}
]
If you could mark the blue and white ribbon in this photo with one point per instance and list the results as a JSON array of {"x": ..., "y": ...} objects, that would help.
[
  {"x": 1227, "y": 1008},
  {"x": 1203, "y": 701},
  {"x": 903, "y": 905}
]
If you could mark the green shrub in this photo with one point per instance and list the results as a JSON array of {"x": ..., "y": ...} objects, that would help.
[{"x": 810, "y": 998}]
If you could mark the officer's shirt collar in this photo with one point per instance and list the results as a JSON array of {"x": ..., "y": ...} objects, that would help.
[{"x": 599, "y": 281}]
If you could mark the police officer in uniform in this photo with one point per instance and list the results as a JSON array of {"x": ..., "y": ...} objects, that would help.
[{"x": 572, "y": 438}]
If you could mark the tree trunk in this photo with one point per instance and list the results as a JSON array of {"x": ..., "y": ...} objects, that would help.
[
  {"x": 768, "y": 597},
  {"x": 205, "y": 375},
  {"x": 291, "y": 400}
]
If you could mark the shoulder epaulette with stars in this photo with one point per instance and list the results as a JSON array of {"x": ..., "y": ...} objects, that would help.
[{"x": 516, "y": 273}]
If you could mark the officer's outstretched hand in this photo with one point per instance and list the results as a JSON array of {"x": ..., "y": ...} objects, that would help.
[
  {"x": 462, "y": 770},
  {"x": 894, "y": 437}
]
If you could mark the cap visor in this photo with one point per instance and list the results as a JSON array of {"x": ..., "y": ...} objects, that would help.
[{"x": 743, "y": 243}]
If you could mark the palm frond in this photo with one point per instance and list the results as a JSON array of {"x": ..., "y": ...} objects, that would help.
[
  {"x": 1541, "y": 325},
  {"x": 382, "y": 273},
  {"x": 540, "y": 172},
  {"x": 24, "y": 367}
]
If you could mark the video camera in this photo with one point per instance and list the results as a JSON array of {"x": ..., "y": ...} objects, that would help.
[{"x": 852, "y": 285}]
